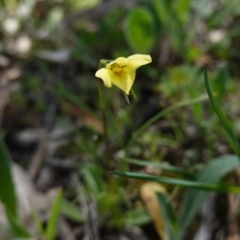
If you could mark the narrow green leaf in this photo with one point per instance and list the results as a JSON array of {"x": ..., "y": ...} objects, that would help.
[
  {"x": 54, "y": 215},
  {"x": 221, "y": 187},
  {"x": 220, "y": 82},
  {"x": 162, "y": 9},
  {"x": 166, "y": 167},
  {"x": 176, "y": 34},
  {"x": 212, "y": 172},
  {"x": 7, "y": 191},
  {"x": 182, "y": 9},
  {"x": 223, "y": 119},
  {"x": 168, "y": 214},
  {"x": 17, "y": 227}
]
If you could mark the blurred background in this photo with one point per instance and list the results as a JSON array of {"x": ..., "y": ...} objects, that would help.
[{"x": 51, "y": 122}]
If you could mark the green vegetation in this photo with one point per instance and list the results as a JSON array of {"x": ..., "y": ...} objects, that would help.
[{"x": 75, "y": 157}]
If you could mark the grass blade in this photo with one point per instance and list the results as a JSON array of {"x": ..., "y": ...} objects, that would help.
[
  {"x": 162, "y": 166},
  {"x": 161, "y": 114},
  {"x": 224, "y": 188},
  {"x": 223, "y": 119},
  {"x": 7, "y": 191},
  {"x": 17, "y": 227},
  {"x": 54, "y": 215},
  {"x": 171, "y": 223}
]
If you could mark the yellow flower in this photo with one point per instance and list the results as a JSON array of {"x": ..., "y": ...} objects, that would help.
[{"x": 122, "y": 71}]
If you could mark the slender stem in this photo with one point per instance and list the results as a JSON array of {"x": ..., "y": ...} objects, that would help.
[
  {"x": 104, "y": 120},
  {"x": 162, "y": 113}
]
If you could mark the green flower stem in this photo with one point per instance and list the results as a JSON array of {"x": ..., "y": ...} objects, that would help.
[{"x": 107, "y": 164}]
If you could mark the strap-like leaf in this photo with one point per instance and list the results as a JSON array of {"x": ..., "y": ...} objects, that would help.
[
  {"x": 7, "y": 191},
  {"x": 221, "y": 187},
  {"x": 223, "y": 119}
]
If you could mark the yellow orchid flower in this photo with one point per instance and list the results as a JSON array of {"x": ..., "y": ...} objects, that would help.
[{"x": 122, "y": 71}]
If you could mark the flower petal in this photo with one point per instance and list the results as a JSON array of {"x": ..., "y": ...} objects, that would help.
[
  {"x": 103, "y": 73},
  {"x": 125, "y": 81},
  {"x": 137, "y": 60},
  {"x": 120, "y": 62}
]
